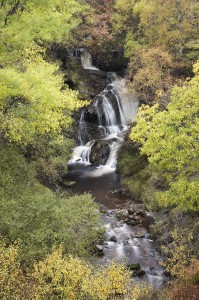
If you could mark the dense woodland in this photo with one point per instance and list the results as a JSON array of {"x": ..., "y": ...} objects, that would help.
[{"x": 47, "y": 233}]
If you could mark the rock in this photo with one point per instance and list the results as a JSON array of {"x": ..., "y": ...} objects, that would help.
[
  {"x": 110, "y": 213},
  {"x": 97, "y": 72},
  {"x": 137, "y": 271},
  {"x": 138, "y": 233},
  {"x": 125, "y": 242},
  {"x": 133, "y": 221},
  {"x": 103, "y": 210},
  {"x": 140, "y": 273},
  {"x": 100, "y": 249},
  {"x": 113, "y": 239},
  {"x": 134, "y": 267},
  {"x": 122, "y": 213},
  {"x": 136, "y": 209}
]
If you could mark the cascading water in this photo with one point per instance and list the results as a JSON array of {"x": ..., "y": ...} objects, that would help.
[
  {"x": 83, "y": 129},
  {"x": 86, "y": 61},
  {"x": 81, "y": 154},
  {"x": 113, "y": 108}
]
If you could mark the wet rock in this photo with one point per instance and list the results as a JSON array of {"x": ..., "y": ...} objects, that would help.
[
  {"x": 134, "y": 267},
  {"x": 133, "y": 220},
  {"x": 97, "y": 72},
  {"x": 113, "y": 239},
  {"x": 100, "y": 249},
  {"x": 125, "y": 242},
  {"x": 137, "y": 271},
  {"x": 140, "y": 273},
  {"x": 122, "y": 213},
  {"x": 147, "y": 235},
  {"x": 105, "y": 243},
  {"x": 136, "y": 209},
  {"x": 110, "y": 213},
  {"x": 138, "y": 233}
]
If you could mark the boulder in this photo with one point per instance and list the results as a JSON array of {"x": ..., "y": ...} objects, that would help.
[
  {"x": 122, "y": 213},
  {"x": 138, "y": 233},
  {"x": 113, "y": 239},
  {"x": 100, "y": 249},
  {"x": 137, "y": 271}
]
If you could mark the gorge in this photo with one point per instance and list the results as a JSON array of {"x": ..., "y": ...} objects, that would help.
[{"x": 102, "y": 127}]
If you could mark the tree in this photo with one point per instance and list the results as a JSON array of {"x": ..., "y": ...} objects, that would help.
[
  {"x": 170, "y": 140},
  {"x": 150, "y": 74},
  {"x": 61, "y": 277},
  {"x": 37, "y": 217},
  {"x": 34, "y": 100},
  {"x": 170, "y": 24},
  {"x": 11, "y": 277},
  {"x": 58, "y": 276}
]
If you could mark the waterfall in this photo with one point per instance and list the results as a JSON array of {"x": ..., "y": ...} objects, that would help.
[
  {"x": 104, "y": 122},
  {"x": 111, "y": 124},
  {"x": 122, "y": 116},
  {"x": 112, "y": 159},
  {"x": 86, "y": 61},
  {"x": 83, "y": 129},
  {"x": 115, "y": 108},
  {"x": 82, "y": 153}
]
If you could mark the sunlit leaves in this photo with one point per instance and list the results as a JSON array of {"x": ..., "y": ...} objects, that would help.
[
  {"x": 65, "y": 277},
  {"x": 40, "y": 21},
  {"x": 35, "y": 101},
  {"x": 170, "y": 140},
  {"x": 170, "y": 24}
]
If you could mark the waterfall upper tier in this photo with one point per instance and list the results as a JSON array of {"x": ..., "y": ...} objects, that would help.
[{"x": 86, "y": 60}]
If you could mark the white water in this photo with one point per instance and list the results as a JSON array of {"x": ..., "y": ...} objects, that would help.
[
  {"x": 126, "y": 102},
  {"x": 86, "y": 61},
  {"x": 83, "y": 129},
  {"x": 112, "y": 160},
  {"x": 82, "y": 153},
  {"x": 115, "y": 108}
]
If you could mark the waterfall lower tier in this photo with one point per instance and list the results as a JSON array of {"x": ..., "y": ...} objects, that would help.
[
  {"x": 112, "y": 159},
  {"x": 82, "y": 153}
]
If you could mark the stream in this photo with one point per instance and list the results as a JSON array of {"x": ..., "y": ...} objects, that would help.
[{"x": 113, "y": 109}]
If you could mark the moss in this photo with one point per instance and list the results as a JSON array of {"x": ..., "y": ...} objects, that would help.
[{"x": 195, "y": 278}]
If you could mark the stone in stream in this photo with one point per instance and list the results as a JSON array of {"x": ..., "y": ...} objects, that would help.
[
  {"x": 125, "y": 242},
  {"x": 100, "y": 249},
  {"x": 122, "y": 213},
  {"x": 136, "y": 268},
  {"x": 133, "y": 267},
  {"x": 113, "y": 239},
  {"x": 136, "y": 209},
  {"x": 133, "y": 220},
  {"x": 138, "y": 233}
]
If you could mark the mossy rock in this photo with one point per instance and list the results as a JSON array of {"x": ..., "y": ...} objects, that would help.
[{"x": 134, "y": 267}]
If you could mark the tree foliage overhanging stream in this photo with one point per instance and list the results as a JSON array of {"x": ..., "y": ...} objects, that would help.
[{"x": 49, "y": 227}]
